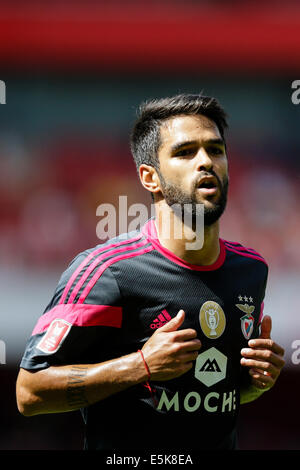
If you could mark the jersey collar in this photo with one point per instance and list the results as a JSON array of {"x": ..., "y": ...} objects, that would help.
[{"x": 149, "y": 230}]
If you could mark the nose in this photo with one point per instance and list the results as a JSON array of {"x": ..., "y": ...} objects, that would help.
[{"x": 204, "y": 162}]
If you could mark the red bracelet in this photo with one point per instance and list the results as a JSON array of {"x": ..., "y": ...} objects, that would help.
[{"x": 145, "y": 364}]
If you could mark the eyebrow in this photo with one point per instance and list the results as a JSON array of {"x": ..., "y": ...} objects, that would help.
[{"x": 187, "y": 143}]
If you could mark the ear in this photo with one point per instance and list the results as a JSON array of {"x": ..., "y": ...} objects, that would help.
[{"x": 149, "y": 178}]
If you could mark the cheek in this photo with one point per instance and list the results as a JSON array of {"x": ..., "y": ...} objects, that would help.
[
  {"x": 174, "y": 174},
  {"x": 221, "y": 170}
]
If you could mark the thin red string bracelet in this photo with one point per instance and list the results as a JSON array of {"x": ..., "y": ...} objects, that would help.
[
  {"x": 147, "y": 384},
  {"x": 145, "y": 364}
]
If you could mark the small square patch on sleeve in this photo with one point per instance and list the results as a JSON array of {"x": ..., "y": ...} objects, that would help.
[{"x": 55, "y": 336}]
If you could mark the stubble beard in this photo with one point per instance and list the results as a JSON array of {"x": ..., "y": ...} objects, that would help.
[{"x": 184, "y": 203}]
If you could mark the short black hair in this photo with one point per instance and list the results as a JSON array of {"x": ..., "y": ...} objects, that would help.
[{"x": 145, "y": 138}]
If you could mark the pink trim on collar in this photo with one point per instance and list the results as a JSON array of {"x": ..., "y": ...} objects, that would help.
[{"x": 149, "y": 230}]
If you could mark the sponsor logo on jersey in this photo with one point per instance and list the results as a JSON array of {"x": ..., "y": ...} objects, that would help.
[
  {"x": 247, "y": 321},
  {"x": 161, "y": 320},
  {"x": 210, "y": 367},
  {"x": 212, "y": 319},
  {"x": 212, "y": 402},
  {"x": 54, "y": 336}
]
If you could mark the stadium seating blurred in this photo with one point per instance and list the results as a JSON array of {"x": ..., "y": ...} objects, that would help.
[
  {"x": 64, "y": 183},
  {"x": 75, "y": 73}
]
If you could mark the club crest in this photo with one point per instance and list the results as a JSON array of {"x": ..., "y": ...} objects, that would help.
[{"x": 247, "y": 321}]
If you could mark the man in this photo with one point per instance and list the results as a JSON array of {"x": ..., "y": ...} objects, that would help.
[{"x": 152, "y": 340}]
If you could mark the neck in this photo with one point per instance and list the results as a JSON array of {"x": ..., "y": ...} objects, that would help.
[{"x": 200, "y": 247}]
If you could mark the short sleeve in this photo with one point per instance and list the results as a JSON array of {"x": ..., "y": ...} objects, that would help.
[{"x": 82, "y": 322}]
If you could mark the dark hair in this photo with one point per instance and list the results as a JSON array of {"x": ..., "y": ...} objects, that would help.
[{"x": 145, "y": 137}]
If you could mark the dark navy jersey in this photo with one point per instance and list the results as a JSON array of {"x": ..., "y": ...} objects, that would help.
[{"x": 112, "y": 298}]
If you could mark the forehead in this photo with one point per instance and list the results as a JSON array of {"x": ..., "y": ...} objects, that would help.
[{"x": 184, "y": 128}]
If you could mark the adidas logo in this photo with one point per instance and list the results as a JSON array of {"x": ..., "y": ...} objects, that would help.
[{"x": 161, "y": 320}]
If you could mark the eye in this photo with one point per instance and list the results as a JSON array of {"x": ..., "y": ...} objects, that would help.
[
  {"x": 215, "y": 150},
  {"x": 185, "y": 152}
]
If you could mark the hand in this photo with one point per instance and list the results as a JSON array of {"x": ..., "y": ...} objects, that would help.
[
  {"x": 170, "y": 353},
  {"x": 264, "y": 357}
]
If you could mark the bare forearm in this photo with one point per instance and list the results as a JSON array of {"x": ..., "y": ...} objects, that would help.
[
  {"x": 167, "y": 354},
  {"x": 66, "y": 388}
]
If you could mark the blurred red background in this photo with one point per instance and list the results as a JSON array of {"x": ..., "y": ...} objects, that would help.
[{"x": 75, "y": 73}]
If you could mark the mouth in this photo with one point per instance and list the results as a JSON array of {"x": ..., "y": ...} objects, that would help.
[{"x": 208, "y": 186}]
